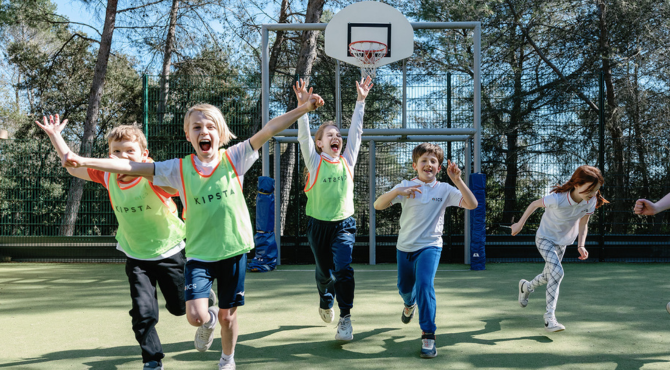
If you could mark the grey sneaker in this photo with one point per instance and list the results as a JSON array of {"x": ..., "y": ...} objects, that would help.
[
  {"x": 344, "y": 329},
  {"x": 551, "y": 324},
  {"x": 428, "y": 348},
  {"x": 227, "y": 365},
  {"x": 212, "y": 299},
  {"x": 327, "y": 314},
  {"x": 204, "y": 336},
  {"x": 407, "y": 313},
  {"x": 524, "y": 292},
  {"x": 153, "y": 365}
]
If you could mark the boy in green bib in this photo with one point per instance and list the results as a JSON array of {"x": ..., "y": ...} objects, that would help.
[
  {"x": 218, "y": 225},
  {"x": 150, "y": 233}
]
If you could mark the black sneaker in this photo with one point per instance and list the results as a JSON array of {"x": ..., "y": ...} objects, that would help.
[{"x": 408, "y": 313}]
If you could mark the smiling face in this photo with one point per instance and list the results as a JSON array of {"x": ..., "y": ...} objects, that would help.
[
  {"x": 330, "y": 141},
  {"x": 204, "y": 136},
  {"x": 127, "y": 149},
  {"x": 584, "y": 191},
  {"x": 427, "y": 167}
]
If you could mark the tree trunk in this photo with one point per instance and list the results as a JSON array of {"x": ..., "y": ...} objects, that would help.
[
  {"x": 304, "y": 69},
  {"x": 167, "y": 60},
  {"x": 613, "y": 126},
  {"x": 77, "y": 185}
]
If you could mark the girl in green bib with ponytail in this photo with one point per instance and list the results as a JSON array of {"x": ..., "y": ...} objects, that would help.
[
  {"x": 331, "y": 229},
  {"x": 218, "y": 226}
]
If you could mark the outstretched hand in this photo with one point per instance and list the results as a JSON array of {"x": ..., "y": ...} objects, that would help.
[
  {"x": 52, "y": 126},
  {"x": 453, "y": 171},
  {"x": 71, "y": 160},
  {"x": 645, "y": 208},
  {"x": 303, "y": 96},
  {"x": 363, "y": 88}
]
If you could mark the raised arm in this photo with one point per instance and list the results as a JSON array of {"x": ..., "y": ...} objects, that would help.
[
  {"x": 384, "y": 200},
  {"x": 581, "y": 239},
  {"x": 124, "y": 166},
  {"x": 454, "y": 172},
  {"x": 516, "y": 228},
  {"x": 647, "y": 208},
  {"x": 53, "y": 128},
  {"x": 281, "y": 123},
  {"x": 356, "y": 129}
]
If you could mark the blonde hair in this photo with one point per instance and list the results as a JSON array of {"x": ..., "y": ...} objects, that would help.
[
  {"x": 214, "y": 114},
  {"x": 128, "y": 132}
]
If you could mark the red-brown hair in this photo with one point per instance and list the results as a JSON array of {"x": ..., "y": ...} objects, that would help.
[{"x": 583, "y": 175}]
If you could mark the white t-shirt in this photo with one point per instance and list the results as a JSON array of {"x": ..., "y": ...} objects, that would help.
[
  {"x": 560, "y": 221},
  {"x": 167, "y": 173},
  {"x": 422, "y": 218},
  {"x": 313, "y": 158}
]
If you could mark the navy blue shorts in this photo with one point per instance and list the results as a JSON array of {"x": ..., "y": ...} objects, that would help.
[{"x": 230, "y": 274}]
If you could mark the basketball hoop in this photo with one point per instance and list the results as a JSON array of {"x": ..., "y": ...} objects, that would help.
[{"x": 368, "y": 53}]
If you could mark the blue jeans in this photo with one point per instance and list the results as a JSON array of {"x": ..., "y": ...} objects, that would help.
[
  {"x": 332, "y": 243},
  {"x": 416, "y": 273}
]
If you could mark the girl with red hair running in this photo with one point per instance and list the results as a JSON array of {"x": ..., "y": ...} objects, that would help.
[{"x": 566, "y": 216}]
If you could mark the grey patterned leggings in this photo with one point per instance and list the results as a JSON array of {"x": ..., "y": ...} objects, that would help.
[{"x": 553, "y": 271}]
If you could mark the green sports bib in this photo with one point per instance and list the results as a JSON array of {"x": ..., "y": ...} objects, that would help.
[
  {"x": 218, "y": 225},
  {"x": 147, "y": 226},
  {"x": 331, "y": 198}
]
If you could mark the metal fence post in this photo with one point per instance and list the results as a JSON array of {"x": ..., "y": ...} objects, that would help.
[
  {"x": 466, "y": 226},
  {"x": 278, "y": 200},
  {"x": 338, "y": 96},
  {"x": 404, "y": 93},
  {"x": 601, "y": 159},
  {"x": 372, "y": 187},
  {"x": 145, "y": 104},
  {"x": 449, "y": 111}
]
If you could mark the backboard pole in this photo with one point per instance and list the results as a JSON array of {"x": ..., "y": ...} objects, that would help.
[
  {"x": 404, "y": 93},
  {"x": 466, "y": 231},
  {"x": 278, "y": 200},
  {"x": 477, "y": 98},
  {"x": 338, "y": 96},
  {"x": 373, "y": 196},
  {"x": 265, "y": 97}
]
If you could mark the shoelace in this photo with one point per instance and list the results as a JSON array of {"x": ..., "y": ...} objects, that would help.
[
  {"x": 204, "y": 334},
  {"x": 341, "y": 325},
  {"x": 427, "y": 343}
]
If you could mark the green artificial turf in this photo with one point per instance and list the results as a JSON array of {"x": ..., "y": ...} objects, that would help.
[{"x": 75, "y": 316}]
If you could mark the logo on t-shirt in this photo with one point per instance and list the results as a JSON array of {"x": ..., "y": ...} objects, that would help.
[
  {"x": 436, "y": 199},
  {"x": 334, "y": 179}
]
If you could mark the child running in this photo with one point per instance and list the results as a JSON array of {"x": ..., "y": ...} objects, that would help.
[
  {"x": 329, "y": 188},
  {"x": 424, "y": 200},
  {"x": 647, "y": 208},
  {"x": 218, "y": 225},
  {"x": 150, "y": 233},
  {"x": 566, "y": 216}
]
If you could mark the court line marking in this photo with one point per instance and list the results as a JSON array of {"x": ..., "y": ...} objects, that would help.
[{"x": 367, "y": 270}]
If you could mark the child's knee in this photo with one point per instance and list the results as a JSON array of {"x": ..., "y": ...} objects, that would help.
[{"x": 227, "y": 316}]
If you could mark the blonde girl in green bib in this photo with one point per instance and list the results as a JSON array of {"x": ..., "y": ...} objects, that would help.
[
  {"x": 218, "y": 226},
  {"x": 331, "y": 229},
  {"x": 150, "y": 233}
]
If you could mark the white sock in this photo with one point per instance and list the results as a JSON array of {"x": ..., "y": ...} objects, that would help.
[
  {"x": 227, "y": 358},
  {"x": 212, "y": 320}
]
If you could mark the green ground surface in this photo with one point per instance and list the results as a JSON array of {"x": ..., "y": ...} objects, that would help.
[{"x": 75, "y": 316}]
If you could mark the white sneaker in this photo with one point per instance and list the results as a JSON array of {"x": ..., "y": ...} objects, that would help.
[
  {"x": 230, "y": 365},
  {"x": 524, "y": 292},
  {"x": 552, "y": 325},
  {"x": 344, "y": 329},
  {"x": 667, "y": 307},
  {"x": 327, "y": 314},
  {"x": 204, "y": 336},
  {"x": 211, "y": 301}
]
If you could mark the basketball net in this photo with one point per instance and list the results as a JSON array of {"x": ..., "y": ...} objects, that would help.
[{"x": 369, "y": 53}]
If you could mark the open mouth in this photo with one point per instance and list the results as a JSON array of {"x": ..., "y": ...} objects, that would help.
[
  {"x": 205, "y": 145},
  {"x": 335, "y": 147}
]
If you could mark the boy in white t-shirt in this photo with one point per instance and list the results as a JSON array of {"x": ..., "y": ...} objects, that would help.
[
  {"x": 566, "y": 216},
  {"x": 424, "y": 200}
]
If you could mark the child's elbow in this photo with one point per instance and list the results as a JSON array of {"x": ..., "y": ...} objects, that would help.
[{"x": 473, "y": 205}]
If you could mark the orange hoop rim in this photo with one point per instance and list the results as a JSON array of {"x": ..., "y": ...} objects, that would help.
[{"x": 352, "y": 48}]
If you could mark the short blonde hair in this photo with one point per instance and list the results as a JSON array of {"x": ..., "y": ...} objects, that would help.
[
  {"x": 214, "y": 114},
  {"x": 128, "y": 132}
]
